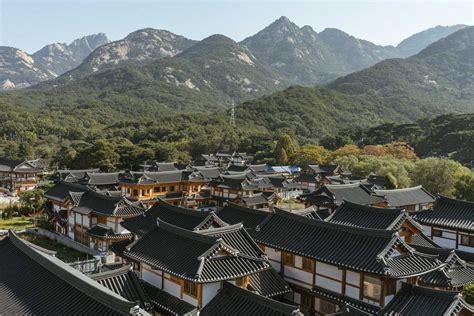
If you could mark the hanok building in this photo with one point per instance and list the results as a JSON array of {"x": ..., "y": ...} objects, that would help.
[
  {"x": 233, "y": 213},
  {"x": 332, "y": 195},
  {"x": 172, "y": 214},
  {"x": 234, "y": 300},
  {"x": 450, "y": 223},
  {"x": 416, "y": 300},
  {"x": 72, "y": 175},
  {"x": 33, "y": 282},
  {"x": 58, "y": 203},
  {"x": 180, "y": 187},
  {"x": 94, "y": 219},
  {"x": 330, "y": 265},
  {"x": 264, "y": 200},
  {"x": 356, "y": 215},
  {"x": 452, "y": 276},
  {"x": 19, "y": 175},
  {"x": 411, "y": 199},
  {"x": 313, "y": 176},
  {"x": 101, "y": 180},
  {"x": 189, "y": 266}
]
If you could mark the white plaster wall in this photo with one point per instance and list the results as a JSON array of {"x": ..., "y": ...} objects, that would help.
[
  {"x": 297, "y": 274},
  {"x": 191, "y": 300},
  {"x": 172, "y": 288},
  {"x": 353, "y": 277},
  {"x": 449, "y": 235},
  {"x": 273, "y": 254},
  {"x": 276, "y": 265},
  {"x": 426, "y": 230},
  {"x": 151, "y": 277},
  {"x": 298, "y": 261},
  {"x": 466, "y": 248},
  {"x": 328, "y": 270},
  {"x": 352, "y": 291},
  {"x": 328, "y": 284},
  {"x": 443, "y": 242},
  {"x": 209, "y": 290}
]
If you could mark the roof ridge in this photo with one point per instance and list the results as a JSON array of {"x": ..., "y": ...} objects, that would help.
[
  {"x": 181, "y": 210},
  {"x": 184, "y": 232},
  {"x": 114, "y": 272},
  {"x": 224, "y": 229},
  {"x": 399, "y": 189},
  {"x": 245, "y": 209},
  {"x": 73, "y": 277},
  {"x": 363, "y": 231},
  {"x": 256, "y": 297},
  {"x": 456, "y": 201}
]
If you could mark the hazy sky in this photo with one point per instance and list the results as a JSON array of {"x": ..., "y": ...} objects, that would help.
[{"x": 29, "y": 25}]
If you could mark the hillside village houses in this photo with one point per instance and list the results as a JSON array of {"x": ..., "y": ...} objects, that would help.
[{"x": 211, "y": 238}]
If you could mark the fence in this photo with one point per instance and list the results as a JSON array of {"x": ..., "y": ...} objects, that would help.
[
  {"x": 63, "y": 240},
  {"x": 87, "y": 266}
]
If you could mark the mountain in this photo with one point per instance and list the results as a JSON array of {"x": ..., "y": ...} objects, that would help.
[
  {"x": 18, "y": 69},
  {"x": 438, "y": 80},
  {"x": 417, "y": 42},
  {"x": 210, "y": 75},
  {"x": 141, "y": 46},
  {"x": 307, "y": 57},
  {"x": 60, "y": 57}
]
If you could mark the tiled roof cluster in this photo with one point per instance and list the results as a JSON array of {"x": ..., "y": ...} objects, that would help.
[
  {"x": 60, "y": 191},
  {"x": 102, "y": 205},
  {"x": 172, "y": 214},
  {"x": 337, "y": 193},
  {"x": 234, "y": 213},
  {"x": 33, "y": 282},
  {"x": 357, "y": 215},
  {"x": 361, "y": 249},
  {"x": 192, "y": 256},
  {"x": 232, "y": 300},
  {"x": 414, "y": 300},
  {"x": 407, "y": 196},
  {"x": 448, "y": 213}
]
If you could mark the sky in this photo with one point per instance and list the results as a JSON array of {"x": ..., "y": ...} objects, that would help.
[{"x": 31, "y": 24}]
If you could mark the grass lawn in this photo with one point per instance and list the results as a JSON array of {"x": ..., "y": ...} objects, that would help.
[
  {"x": 294, "y": 204},
  {"x": 16, "y": 223},
  {"x": 63, "y": 253}
]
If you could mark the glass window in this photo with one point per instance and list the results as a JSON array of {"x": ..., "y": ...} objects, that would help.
[
  {"x": 288, "y": 259},
  {"x": 308, "y": 264},
  {"x": 467, "y": 240},
  {"x": 372, "y": 288},
  {"x": 306, "y": 301},
  {"x": 190, "y": 288}
]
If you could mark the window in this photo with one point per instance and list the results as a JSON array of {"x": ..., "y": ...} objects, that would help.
[
  {"x": 163, "y": 189},
  {"x": 437, "y": 233},
  {"x": 135, "y": 192},
  {"x": 156, "y": 189},
  {"x": 308, "y": 264},
  {"x": 467, "y": 240},
  {"x": 288, "y": 259},
  {"x": 372, "y": 288},
  {"x": 306, "y": 301},
  {"x": 190, "y": 288},
  {"x": 326, "y": 307},
  {"x": 172, "y": 188},
  {"x": 101, "y": 220},
  {"x": 239, "y": 282},
  {"x": 262, "y": 247}
]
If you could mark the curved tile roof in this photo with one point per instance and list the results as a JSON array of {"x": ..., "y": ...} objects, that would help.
[
  {"x": 407, "y": 196},
  {"x": 448, "y": 213},
  {"x": 359, "y": 249}
]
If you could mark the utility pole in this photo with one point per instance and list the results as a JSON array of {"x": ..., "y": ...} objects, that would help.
[{"x": 232, "y": 115}]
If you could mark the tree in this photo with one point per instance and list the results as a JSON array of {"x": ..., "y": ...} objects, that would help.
[
  {"x": 400, "y": 150},
  {"x": 374, "y": 150},
  {"x": 464, "y": 187},
  {"x": 390, "y": 182},
  {"x": 289, "y": 146},
  {"x": 311, "y": 154},
  {"x": 438, "y": 175},
  {"x": 346, "y": 150},
  {"x": 280, "y": 155},
  {"x": 469, "y": 293}
]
